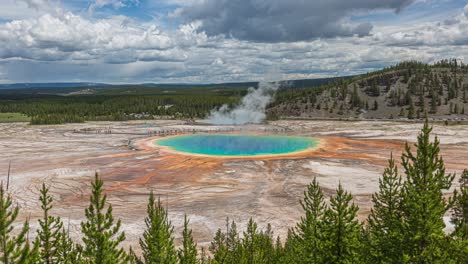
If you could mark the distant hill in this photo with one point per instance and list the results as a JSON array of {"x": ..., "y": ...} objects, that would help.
[
  {"x": 408, "y": 90},
  {"x": 83, "y": 88},
  {"x": 48, "y": 85}
]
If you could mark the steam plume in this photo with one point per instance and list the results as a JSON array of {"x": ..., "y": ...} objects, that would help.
[{"x": 250, "y": 110}]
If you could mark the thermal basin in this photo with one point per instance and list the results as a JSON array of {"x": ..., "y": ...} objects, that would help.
[{"x": 237, "y": 145}]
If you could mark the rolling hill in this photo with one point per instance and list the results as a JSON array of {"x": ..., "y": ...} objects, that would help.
[{"x": 408, "y": 90}]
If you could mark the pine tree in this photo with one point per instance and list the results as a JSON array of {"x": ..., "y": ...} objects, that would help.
[
  {"x": 342, "y": 229},
  {"x": 50, "y": 230},
  {"x": 355, "y": 99},
  {"x": 188, "y": 253},
  {"x": 422, "y": 104},
  {"x": 411, "y": 111},
  {"x": 433, "y": 108},
  {"x": 13, "y": 249},
  {"x": 250, "y": 243},
  {"x": 157, "y": 243},
  {"x": 218, "y": 247},
  {"x": 267, "y": 245},
  {"x": 204, "y": 259},
  {"x": 101, "y": 236},
  {"x": 385, "y": 219},
  {"x": 365, "y": 250},
  {"x": 460, "y": 220},
  {"x": 227, "y": 247},
  {"x": 33, "y": 255},
  {"x": 279, "y": 250},
  {"x": 257, "y": 246},
  {"x": 234, "y": 250},
  {"x": 423, "y": 202},
  {"x": 68, "y": 252},
  {"x": 292, "y": 250},
  {"x": 310, "y": 228}
]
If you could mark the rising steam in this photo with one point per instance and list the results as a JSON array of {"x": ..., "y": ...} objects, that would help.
[{"x": 250, "y": 110}]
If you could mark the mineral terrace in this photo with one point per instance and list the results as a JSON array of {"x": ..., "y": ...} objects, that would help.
[{"x": 207, "y": 189}]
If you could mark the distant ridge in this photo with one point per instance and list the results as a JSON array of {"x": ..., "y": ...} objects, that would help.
[
  {"x": 50, "y": 85},
  {"x": 296, "y": 83}
]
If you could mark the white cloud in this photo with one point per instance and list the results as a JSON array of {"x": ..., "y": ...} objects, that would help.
[
  {"x": 38, "y": 4},
  {"x": 67, "y": 36},
  {"x": 451, "y": 31},
  {"x": 59, "y": 45},
  {"x": 21, "y": 9},
  {"x": 102, "y": 3}
]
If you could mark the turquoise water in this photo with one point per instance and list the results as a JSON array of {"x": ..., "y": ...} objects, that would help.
[{"x": 237, "y": 145}]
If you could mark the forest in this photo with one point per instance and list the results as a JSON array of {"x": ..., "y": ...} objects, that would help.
[
  {"x": 53, "y": 109},
  {"x": 406, "y": 225}
]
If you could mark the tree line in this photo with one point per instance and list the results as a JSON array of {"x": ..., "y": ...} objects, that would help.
[
  {"x": 405, "y": 225},
  {"x": 53, "y": 109}
]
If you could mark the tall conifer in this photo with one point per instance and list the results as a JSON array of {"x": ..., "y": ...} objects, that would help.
[
  {"x": 251, "y": 243},
  {"x": 342, "y": 229},
  {"x": 423, "y": 203},
  {"x": 188, "y": 252},
  {"x": 101, "y": 234},
  {"x": 13, "y": 248},
  {"x": 157, "y": 243},
  {"x": 310, "y": 227},
  {"x": 50, "y": 231},
  {"x": 385, "y": 219},
  {"x": 460, "y": 220}
]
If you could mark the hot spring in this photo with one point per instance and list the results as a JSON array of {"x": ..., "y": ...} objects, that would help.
[{"x": 237, "y": 145}]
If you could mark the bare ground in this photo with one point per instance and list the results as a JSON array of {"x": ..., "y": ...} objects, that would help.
[{"x": 206, "y": 189}]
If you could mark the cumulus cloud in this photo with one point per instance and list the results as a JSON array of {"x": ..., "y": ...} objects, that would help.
[
  {"x": 466, "y": 10},
  {"x": 62, "y": 45},
  {"x": 278, "y": 20},
  {"x": 452, "y": 31},
  {"x": 102, "y": 3},
  {"x": 76, "y": 37},
  {"x": 39, "y": 4}
]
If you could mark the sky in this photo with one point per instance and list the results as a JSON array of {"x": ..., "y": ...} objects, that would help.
[{"x": 214, "y": 41}]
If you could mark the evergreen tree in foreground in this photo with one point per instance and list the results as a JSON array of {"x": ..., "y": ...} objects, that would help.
[
  {"x": 218, "y": 247},
  {"x": 253, "y": 248},
  {"x": 292, "y": 250},
  {"x": 268, "y": 246},
  {"x": 188, "y": 252},
  {"x": 342, "y": 230},
  {"x": 69, "y": 252},
  {"x": 50, "y": 230},
  {"x": 423, "y": 203},
  {"x": 101, "y": 236},
  {"x": 385, "y": 219},
  {"x": 13, "y": 249},
  {"x": 310, "y": 228},
  {"x": 55, "y": 245},
  {"x": 157, "y": 243},
  {"x": 460, "y": 220},
  {"x": 227, "y": 247}
]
